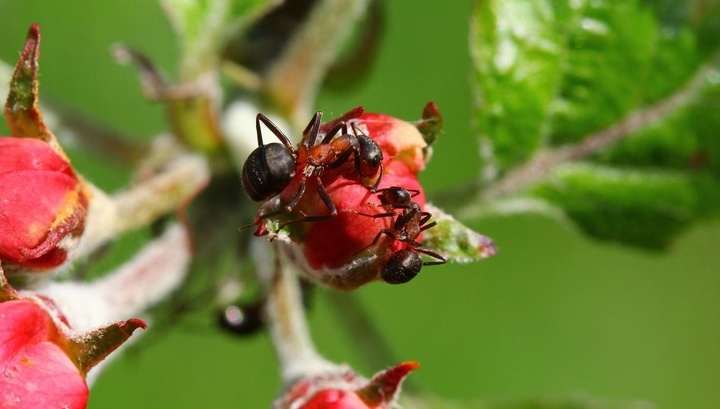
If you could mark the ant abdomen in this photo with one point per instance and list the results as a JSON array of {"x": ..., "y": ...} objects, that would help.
[
  {"x": 401, "y": 267},
  {"x": 268, "y": 171}
]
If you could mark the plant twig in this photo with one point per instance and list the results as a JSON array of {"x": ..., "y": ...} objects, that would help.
[
  {"x": 293, "y": 81},
  {"x": 288, "y": 326}
]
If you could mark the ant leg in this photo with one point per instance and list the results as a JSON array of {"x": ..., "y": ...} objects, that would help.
[
  {"x": 327, "y": 200},
  {"x": 304, "y": 219},
  {"x": 441, "y": 259},
  {"x": 340, "y": 126},
  {"x": 301, "y": 190},
  {"x": 274, "y": 129},
  {"x": 263, "y": 217},
  {"x": 326, "y": 197},
  {"x": 425, "y": 217},
  {"x": 405, "y": 218},
  {"x": 381, "y": 232},
  {"x": 312, "y": 130},
  {"x": 387, "y": 232},
  {"x": 376, "y": 215},
  {"x": 373, "y": 189}
]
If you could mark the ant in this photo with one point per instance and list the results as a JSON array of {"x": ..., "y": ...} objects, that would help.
[
  {"x": 406, "y": 263},
  {"x": 270, "y": 168},
  {"x": 247, "y": 318},
  {"x": 242, "y": 319}
]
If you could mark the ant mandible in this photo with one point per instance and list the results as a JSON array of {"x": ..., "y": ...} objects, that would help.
[
  {"x": 404, "y": 264},
  {"x": 270, "y": 168}
]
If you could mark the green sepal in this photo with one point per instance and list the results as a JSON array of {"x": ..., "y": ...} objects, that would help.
[
  {"x": 454, "y": 240},
  {"x": 88, "y": 349}
]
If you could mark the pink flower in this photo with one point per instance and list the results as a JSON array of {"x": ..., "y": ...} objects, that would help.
[
  {"x": 42, "y": 202},
  {"x": 347, "y": 390},
  {"x": 43, "y": 363}
]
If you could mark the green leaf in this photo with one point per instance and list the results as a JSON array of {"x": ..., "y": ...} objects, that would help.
[
  {"x": 561, "y": 402},
  {"x": 645, "y": 208},
  {"x": 517, "y": 55},
  {"x": 202, "y": 27},
  {"x": 630, "y": 88}
]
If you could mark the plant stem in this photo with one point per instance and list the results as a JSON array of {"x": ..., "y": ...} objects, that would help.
[
  {"x": 168, "y": 191},
  {"x": 292, "y": 83},
  {"x": 288, "y": 326}
]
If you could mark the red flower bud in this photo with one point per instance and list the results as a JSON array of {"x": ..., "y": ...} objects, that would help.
[
  {"x": 348, "y": 250},
  {"x": 347, "y": 390},
  {"x": 36, "y": 371},
  {"x": 42, "y": 201}
]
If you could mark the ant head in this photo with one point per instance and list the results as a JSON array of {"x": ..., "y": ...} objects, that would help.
[
  {"x": 371, "y": 155},
  {"x": 394, "y": 196},
  {"x": 401, "y": 267}
]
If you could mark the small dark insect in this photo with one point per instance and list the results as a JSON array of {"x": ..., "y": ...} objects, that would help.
[
  {"x": 270, "y": 168},
  {"x": 247, "y": 318},
  {"x": 242, "y": 319},
  {"x": 406, "y": 263}
]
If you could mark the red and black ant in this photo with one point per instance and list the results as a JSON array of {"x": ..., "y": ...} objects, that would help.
[
  {"x": 270, "y": 168},
  {"x": 405, "y": 263}
]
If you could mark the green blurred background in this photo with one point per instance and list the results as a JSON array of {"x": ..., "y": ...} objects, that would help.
[{"x": 553, "y": 313}]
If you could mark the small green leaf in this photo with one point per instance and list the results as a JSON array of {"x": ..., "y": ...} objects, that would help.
[
  {"x": 431, "y": 125},
  {"x": 454, "y": 240}
]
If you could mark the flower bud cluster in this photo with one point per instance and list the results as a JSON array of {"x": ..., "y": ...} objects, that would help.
[{"x": 368, "y": 229}]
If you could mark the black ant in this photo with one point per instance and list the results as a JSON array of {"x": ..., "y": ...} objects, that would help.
[
  {"x": 270, "y": 168},
  {"x": 242, "y": 319},
  {"x": 406, "y": 263},
  {"x": 247, "y": 318}
]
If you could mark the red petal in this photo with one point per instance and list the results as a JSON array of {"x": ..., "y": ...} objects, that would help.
[
  {"x": 32, "y": 202},
  {"x": 34, "y": 372},
  {"x": 335, "y": 399},
  {"x": 28, "y": 154},
  {"x": 336, "y": 242},
  {"x": 42, "y": 376}
]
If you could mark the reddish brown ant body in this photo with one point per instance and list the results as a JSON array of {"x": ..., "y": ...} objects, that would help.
[
  {"x": 405, "y": 263},
  {"x": 270, "y": 168}
]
